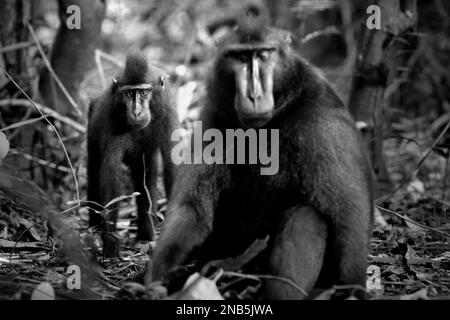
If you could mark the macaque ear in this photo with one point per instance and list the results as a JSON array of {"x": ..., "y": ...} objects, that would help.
[
  {"x": 162, "y": 80},
  {"x": 114, "y": 84}
]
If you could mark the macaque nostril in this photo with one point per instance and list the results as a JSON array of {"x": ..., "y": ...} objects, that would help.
[
  {"x": 253, "y": 97},
  {"x": 254, "y": 93}
]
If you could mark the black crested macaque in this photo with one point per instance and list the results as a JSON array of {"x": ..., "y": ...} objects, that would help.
[
  {"x": 317, "y": 209},
  {"x": 128, "y": 124}
]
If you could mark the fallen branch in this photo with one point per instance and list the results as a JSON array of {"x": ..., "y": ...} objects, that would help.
[
  {"x": 41, "y": 162},
  {"x": 66, "y": 153},
  {"x": 257, "y": 277},
  {"x": 412, "y": 221},
  {"x": 45, "y": 110},
  {"x": 16, "y": 46}
]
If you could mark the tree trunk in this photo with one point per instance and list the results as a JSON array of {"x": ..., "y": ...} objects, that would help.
[
  {"x": 72, "y": 55},
  {"x": 376, "y": 68},
  {"x": 14, "y": 57},
  {"x": 13, "y": 31}
]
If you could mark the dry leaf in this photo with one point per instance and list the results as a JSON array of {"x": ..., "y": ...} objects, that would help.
[
  {"x": 199, "y": 288},
  {"x": 422, "y": 294},
  {"x": 44, "y": 291},
  {"x": 4, "y": 147}
]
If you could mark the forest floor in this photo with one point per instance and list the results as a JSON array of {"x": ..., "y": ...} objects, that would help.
[{"x": 411, "y": 254}]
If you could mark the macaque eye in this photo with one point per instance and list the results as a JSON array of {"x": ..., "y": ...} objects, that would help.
[
  {"x": 241, "y": 57},
  {"x": 264, "y": 55},
  {"x": 144, "y": 93},
  {"x": 130, "y": 94}
]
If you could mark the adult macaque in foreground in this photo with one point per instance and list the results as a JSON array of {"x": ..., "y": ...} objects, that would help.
[
  {"x": 133, "y": 120},
  {"x": 317, "y": 209}
]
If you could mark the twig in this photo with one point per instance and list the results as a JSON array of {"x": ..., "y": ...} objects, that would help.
[
  {"x": 16, "y": 46},
  {"x": 43, "y": 110},
  {"x": 149, "y": 198},
  {"x": 412, "y": 221},
  {"x": 24, "y": 123},
  {"x": 442, "y": 12},
  {"x": 42, "y": 162},
  {"x": 22, "y": 279},
  {"x": 52, "y": 72},
  {"x": 17, "y": 131},
  {"x": 315, "y": 34},
  {"x": 189, "y": 53},
  {"x": 421, "y": 162},
  {"x": 16, "y": 242},
  {"x": 53, "y": 128},
  {"x": 269, "y": 277},
  {"x": 109, "y": 58},
  {"x": 100, "y": 69}
]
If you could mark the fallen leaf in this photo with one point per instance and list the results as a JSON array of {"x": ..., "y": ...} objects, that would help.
[
  {"x": 235, "y": 263},
  {"x": 54, "y": 277},
  {"x": 134, "y": 287},
  {"x": 44, "y": 291},
  {"x": 198, "y": 288},
  {"x": 422, "y": 294},
  {"x": 415, "y": 189},
  {"x": 30, "y": 229},
  {"x": 379, "y": 220},
  {"x": 4, "y": 147}
]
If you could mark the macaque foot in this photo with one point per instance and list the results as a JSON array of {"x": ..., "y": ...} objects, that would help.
[
  {"x": 146, "y": 230},
  {"x": 111, "y": 245}
]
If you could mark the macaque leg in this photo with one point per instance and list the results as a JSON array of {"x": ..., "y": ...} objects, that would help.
[
  {"x": 346, "y": 256},
  {"x": 184, "y": 230},
  {"x": 297, "y": 253},
  {"x": 152, "y": 179},
  {"x": 93, "y": 195},
  {"x": 168, "y": 169},
  {"x": 350, "y": 243},
  {"x": 109, "y": 190}
]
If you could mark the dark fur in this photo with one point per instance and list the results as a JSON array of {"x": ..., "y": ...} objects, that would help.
[
  {"x": 111, "y": 141},
  {"x": 317, "y": 209}
]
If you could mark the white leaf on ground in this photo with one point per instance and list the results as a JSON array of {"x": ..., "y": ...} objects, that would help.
[
  {"x": 416, "y": 189},
  {"x": 44, "y": 291},
  {"x": 199, "y": 288},
  {"x": 379, "y": 220},
  {"x": 4, "y": 147}
]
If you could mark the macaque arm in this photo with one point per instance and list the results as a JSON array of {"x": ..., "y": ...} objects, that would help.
[
  {"x": 189, "y": 218},
  {"x": 184, "y": 230}
]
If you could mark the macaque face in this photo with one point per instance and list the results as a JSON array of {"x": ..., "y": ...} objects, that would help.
[
  {"x": 253, "y": 70},
  {"x": 137, "y": 101}
]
